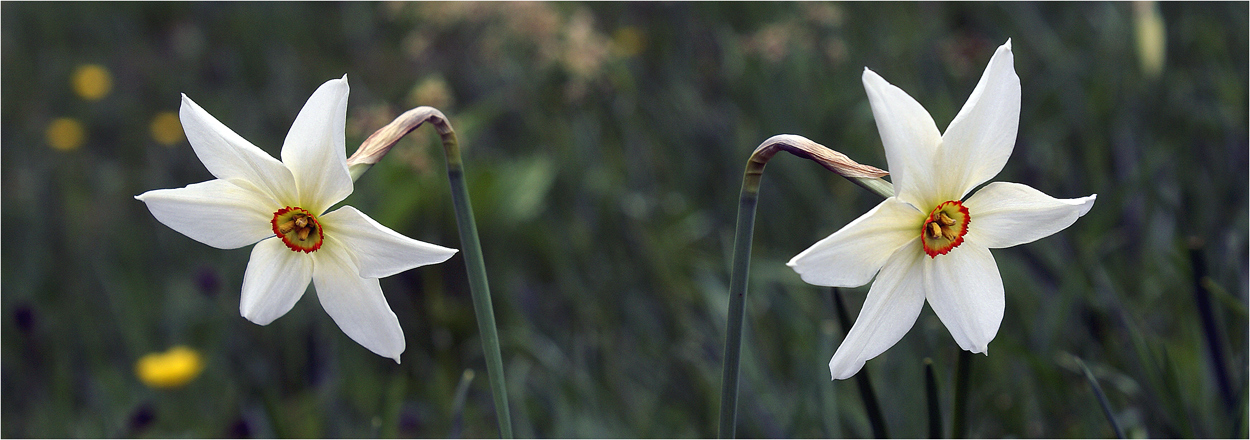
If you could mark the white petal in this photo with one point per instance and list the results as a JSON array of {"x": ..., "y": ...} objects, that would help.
[
  {"x": 1007, "y": 214},
  {"x": 379, "y": 251},
  {"x": 216, "y": 213},
  {"x": 230, "y": 157},
  {"x": 966, "y": 291},
  {"x": 981, "y": 137},
  {"x": 314, "y": 149},
  {"x": 910, "y": 138},
  {"x": 889, "y": 311},
  {"x": 853, "y": 254},
  {"x": 356, "y": 303},
  {"x": 275, "y": 279}
]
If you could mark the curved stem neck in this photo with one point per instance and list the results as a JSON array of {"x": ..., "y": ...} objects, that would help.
[
  {"x": 370, "y": 152},
  {"x": 863, "y": 175},
  {"x": 380, "y": 142},
  {"x": 866, "y": 176}
]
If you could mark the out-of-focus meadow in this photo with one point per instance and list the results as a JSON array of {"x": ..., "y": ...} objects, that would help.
[{"x": 604, "y": 145}]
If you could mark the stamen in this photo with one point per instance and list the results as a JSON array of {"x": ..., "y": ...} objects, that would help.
[
  {"x": 944, "y": 228},
  {"x": 298, "y": 229}
]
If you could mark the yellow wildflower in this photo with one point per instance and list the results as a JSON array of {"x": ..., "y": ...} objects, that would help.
[
  {"x": 65, "y": 134},
  {"x": 171, "y": 369},
  {"x": 166, "y": 129},
  {"x": 92, "y": 82}
]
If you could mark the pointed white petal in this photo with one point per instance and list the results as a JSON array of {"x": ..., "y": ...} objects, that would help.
[
  {"x": 1007, "y": 214},
  {"x": 889, "y": 311},
  {"x": 910, "y": 138},
  {"x": 981, "y": 137},
  {"x": 230, "y": 157},
  {"x": 379, "y": 251},
  {"x": 314, "y": 149},
  {"x": 216, "y": 213},
  {"x": 355, "y": 303},
  {"x": 275, "y": 279},
  {"x": 966, "y": 291},
  {"x": 853, "y": 254}
]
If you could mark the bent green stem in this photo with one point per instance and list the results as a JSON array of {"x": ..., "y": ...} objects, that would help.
[
  {"x": 371, "y": 151},
  {"x": 863, "y": 175}
]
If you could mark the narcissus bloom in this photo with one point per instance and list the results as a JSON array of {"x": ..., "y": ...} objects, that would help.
[
  {"x": 281, "y": 207},
  {"x": 928, "y": 242}
]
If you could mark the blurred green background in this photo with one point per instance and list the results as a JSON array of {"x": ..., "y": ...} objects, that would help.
[{"x": 605, "y": 144}]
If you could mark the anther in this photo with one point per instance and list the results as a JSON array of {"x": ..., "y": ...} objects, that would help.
[
  {"x": 946, "y": 220},
  {"x": 298, "y": 229},
  {"x": 935, "y": 230}
]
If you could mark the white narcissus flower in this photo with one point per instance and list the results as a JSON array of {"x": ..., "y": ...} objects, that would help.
[
  {"x": 928, "y": 242},
  {"x": 279, "y": 206}
]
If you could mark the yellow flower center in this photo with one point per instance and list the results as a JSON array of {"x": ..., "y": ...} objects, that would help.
[
  {"x": 945, "y": 228},
  {"x": 298, "y": 229}
]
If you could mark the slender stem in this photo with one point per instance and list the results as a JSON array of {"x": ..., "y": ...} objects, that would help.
[
  {"x": 477, "y": 283},
  {"x": 866, "y": 393},
  {"x": 863, "y": 175},
  {"x": 370, "y": 152},
  {"x": 737, "y": 299},
  {"x": 963, "y": 369},
  {"x": 1102, "y": 398},
  {"x": 935, "y": 408}
]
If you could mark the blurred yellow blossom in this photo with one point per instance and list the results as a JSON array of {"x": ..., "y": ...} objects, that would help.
[
  {"x": 166, "y": 129},
  {"x": 171, "y": 369},
  {"x": 92, "y": 82},
  {"x": 65, "y": 134},
  {"x": 1151, "y": 37}
]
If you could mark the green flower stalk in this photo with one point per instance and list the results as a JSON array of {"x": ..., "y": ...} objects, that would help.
[
  {"x": 863, "y": 175},
  {"x": 370, "y": 152}
]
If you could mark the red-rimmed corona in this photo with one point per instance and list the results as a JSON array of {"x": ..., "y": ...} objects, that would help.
[
  {"x": 945, "y": 228},
  {"x": 298, "y": 229}
]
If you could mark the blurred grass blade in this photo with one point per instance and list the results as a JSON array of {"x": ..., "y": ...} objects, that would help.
[
  {"x": 1210, "y": 329},
  {"x": 457, "y": 403},
  {"x": 963, "y": 370},
  {"x": 862, "y": 379},
  {"x": 931, "y": 392},
  {"x": 1239, "y": 419},
  {"x": 395, "y": 393},
  {"x": 1102, "y": 398}
]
